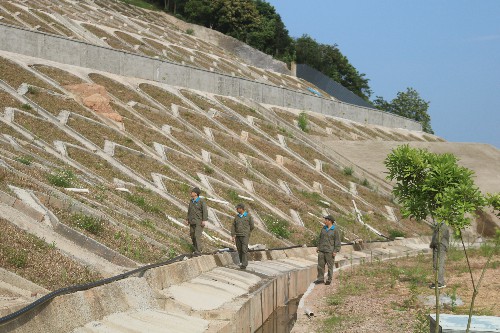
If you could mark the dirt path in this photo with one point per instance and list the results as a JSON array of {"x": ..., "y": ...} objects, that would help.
[{"x": 389, "y": 296}]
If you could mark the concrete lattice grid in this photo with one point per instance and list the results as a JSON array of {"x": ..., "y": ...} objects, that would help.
[
  {"x": 128, "y": 93},
  {"x": 138, "y": 171},
  {"x": 115, "y": 25},
  {"x": 151, "y": 159}
]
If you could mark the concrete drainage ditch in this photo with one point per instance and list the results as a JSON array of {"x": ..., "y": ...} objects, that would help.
[{"x": 202, "y": 294}]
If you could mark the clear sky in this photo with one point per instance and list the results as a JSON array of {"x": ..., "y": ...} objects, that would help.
[{"x": 448, "y": 50}]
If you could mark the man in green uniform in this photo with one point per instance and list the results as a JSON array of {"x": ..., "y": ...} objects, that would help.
[
  {"x": 240, "y": 231},
  {"x": 439, "y": 248},
  {"x": 197, "y": 217},
  {"x": 328, "y": 247}
]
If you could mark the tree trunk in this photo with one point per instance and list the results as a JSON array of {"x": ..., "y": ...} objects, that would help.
[
  {"x": 436, "y": 270},
  {"x": 474, "y": 286}
]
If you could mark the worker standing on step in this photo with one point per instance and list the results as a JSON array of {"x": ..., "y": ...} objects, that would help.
[
  {"x": 439, "y": 248},
  {"x": 328, "y": 247},
  {"x": 197, "y": 217},
  {"x": 240, "y": 231}
]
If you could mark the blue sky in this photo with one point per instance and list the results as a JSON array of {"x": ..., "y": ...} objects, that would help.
[{"x": 448, "y": 50}]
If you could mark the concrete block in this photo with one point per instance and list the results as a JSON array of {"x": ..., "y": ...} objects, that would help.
[
  {"x": 257, "y": 255},
  {"x": 275, "y": 255},
  {"x": 223, "y": 259},
  {"x": 7, "y": 199},
  {"x": 163, "y": 277},
  {"x": 28, "y": 211},
  {"x": 299, "y": 252}
]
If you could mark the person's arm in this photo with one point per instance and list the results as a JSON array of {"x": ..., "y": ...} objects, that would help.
[
  {"x": 336, "y": 242},
  {"x": 318, "y": 240},
  {"x": 233, "y": 230},
  {"x": 250, "y": 222},
  {"x": 434, "y": 238},
  {"x": 445, "y": 237},
  {"x": 204, "y": 213}
]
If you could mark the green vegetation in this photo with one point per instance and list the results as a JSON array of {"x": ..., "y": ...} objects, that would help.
[
  {"x": 88, "y": 223},
  {"x": 303, "y": 122},
  {"x": 233, "y": 195},
  {"x": 62, "y": 178},
  {"x": 348, "y": 171},
  {"x": 17, "y": 257},
  {"x": 26, "y": 159},
  {"x": 26, "y": 107},
  {"x": 277, "y": 226},
  {"x": 330, "y": 61},
  {"x": 142, "y": 203},
  {"x": 434, "y": 185},
  {"x": 393, "y": 233},
  {"x": 407, "y": 104},
  {"x": 365, "y": 183},
  {"x": 32, "y": 90},
  {"x": 208, "y": 170},
  {"x": 148, "y": 224}
]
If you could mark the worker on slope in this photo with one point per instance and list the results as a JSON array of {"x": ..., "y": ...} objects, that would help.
[
  {"x": 240, "y": 231},
  {"x": 197, "y": 217},
  {"x": 328, "y": 247}
]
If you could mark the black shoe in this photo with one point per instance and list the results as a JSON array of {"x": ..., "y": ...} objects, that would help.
[
  {"x": 440, "y": 286},
  {"x": 328, "y": 283},
  {"x": 319, "y": 281},
  {"x": 243, "y": 267}
]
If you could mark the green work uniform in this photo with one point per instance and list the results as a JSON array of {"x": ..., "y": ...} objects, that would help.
[
  {"x": 241, "y": 228},
  {"x": 329, "y": 242},
  {"x": 197, "y": 212},
  {"x": 440, "y": 250}
]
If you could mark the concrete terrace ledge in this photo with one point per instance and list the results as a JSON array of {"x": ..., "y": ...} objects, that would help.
[
  {"x": 77, "y": 53},
  {"x": 203, "y": 294}
]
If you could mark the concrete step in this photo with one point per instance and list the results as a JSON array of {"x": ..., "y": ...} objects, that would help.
[
  {"x": 212, "y": 289},
  {"x": 151, "y": 321}
]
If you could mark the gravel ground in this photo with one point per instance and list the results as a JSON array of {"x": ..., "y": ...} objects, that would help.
[{"x": 386, "y": 297}]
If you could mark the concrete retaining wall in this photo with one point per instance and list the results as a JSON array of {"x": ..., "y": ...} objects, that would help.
[
  {"x": 284, "y": 275},
  {"x": 67, "y": 51}
]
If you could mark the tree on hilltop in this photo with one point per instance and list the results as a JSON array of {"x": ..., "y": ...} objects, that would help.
[
  {"x": 330, "y": 61},
  {"x": 407, "y": 104}
]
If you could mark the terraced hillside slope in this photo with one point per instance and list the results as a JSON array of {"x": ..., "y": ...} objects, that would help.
[
  {"x": 95, "y": 168},
  {"x": 138, "y": 147},
  {"x": 124, "y": 27}
]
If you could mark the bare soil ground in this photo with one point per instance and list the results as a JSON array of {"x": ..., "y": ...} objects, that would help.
[{"x": 388, "y": 296}]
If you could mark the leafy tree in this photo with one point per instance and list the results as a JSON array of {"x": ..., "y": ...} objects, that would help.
[
  {"x": 200, "y": 12},
  {"x": 435, "y": 186},
  {"x": 330, "y": 61},
  {"x": 408, "y": 104},
  {"x": 271, "y": 36},
  {"x": 235, "y": 18}
]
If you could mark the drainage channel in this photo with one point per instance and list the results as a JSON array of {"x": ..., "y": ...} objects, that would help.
[{"x": 282, "y": 319}]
